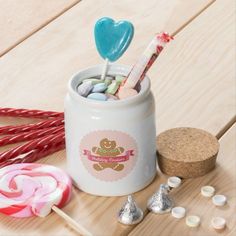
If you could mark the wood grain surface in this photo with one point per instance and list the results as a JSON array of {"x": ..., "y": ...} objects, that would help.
[
  {"x": 189, "y": 196},
  {"x": 20, "y": 19},
  {"x": 32, "y": 68},
  {"x": 193, "y": 83}
]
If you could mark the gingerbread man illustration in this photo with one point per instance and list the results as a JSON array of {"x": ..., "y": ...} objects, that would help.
[{"x": 108, "y": 148}]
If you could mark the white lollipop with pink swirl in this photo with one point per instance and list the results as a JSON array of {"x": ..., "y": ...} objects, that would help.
[{"x": 32, "y": 189}]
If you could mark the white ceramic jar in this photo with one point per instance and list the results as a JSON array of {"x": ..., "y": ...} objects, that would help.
[{"x": 111, "y": 145}]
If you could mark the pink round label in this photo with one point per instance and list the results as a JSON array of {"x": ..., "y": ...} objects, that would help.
[{"x": 108, "y": 155}]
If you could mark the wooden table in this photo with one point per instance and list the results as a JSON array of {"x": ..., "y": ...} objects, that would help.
[{"x": 44, "y": 42}]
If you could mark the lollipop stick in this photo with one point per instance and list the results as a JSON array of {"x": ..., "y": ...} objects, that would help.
[
  {"x": 79, "y": 228},
  {"x": 104, "y": 70}
]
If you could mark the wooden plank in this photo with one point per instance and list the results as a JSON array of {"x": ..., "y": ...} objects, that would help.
[
  {"x": 188, "y": 196},
  {"x": 196, "y": 73},
  {"x": 98, "y": 213},
  {"x": 68, "y": 43},
  {"x": 20, "y": 19}
]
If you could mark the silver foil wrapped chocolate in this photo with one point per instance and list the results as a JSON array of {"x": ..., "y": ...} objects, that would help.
[
  {"x": 160, "y": 202},
  {"x": 130, "y": 214}
]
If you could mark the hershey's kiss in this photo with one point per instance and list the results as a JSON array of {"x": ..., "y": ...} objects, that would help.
[
  {"x": 160, "y": 202},
  {"x": 130, "y": 214}
]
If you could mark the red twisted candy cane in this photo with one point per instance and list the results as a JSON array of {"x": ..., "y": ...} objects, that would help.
[
  {"x": 29, "y": 146},
  {"x": 26, "y": 136},
  {"x": 35, "y": 154},
  {"x": 30, "y": 127},
  {"x": 29, "y": 113}
]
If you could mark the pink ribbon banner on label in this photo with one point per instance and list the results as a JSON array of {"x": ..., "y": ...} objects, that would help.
[{"x": 108, "y": 159}]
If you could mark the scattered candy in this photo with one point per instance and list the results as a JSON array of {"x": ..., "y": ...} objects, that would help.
[
  {"x": 126, "y": 93},
  {"x": 160, "y": 201},
  {"x": 207, "y": 191},
  {"x": 218, "y": 223},
  {"x": 85, "y": 88},
  {"x": 32, "y": 189},
  {"x": 174, "y": 182},
  {"x": 193, "y": 221},
  {"x": 219, "y": 200},
  {"x": 99, "y": 88},
  {"x": 97, "y": 96},
  {"x": 178, "y": 212},
  {"x": 130, "y": 214},
  {"x": 113, "y": 87}
]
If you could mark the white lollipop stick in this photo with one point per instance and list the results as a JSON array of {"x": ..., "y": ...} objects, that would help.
[
  {"x": 79, "y": 228},
  {"x": 104, "y": 70}
]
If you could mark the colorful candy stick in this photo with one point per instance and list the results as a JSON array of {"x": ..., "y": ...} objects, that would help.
[
  {"x": 35, "y": 154},
  {"x": 13, "y": 112},
  {"x": 146, "y": 60},
  {"x": 31, "y": 145},
  {"x": 29, "y": 127},
  {"x": 26, "y": 136},
  {"x": 34, "y": 190}
]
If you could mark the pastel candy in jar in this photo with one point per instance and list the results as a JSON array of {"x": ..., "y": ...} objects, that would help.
[
  {"x": 94, "y": 81},
  {"x": 113, "y": 87},
  {"x": 85, "y": 88},
  {"x": 97, "y": 96},
  {"x": 99, "y": 88},
  {"x": 108, "y": 80},
  {"x": 120, "y": 78}
]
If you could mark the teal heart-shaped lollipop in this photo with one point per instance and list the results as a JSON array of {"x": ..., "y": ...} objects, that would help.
[{"x": 112, "y": 38}]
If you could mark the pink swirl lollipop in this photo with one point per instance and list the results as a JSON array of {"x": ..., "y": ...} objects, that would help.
[{"x": 33, "y": 189}]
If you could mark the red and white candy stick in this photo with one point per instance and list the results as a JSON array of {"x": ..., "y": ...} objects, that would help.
[
  {"x": 15, "y": 112},
  {"x": 34, "y": 190},
  {"x": 29, "y": 127},
  {"x": 35, "y": 154},
  {"x": 31, "y": 145},
  {"x": 26, "y": 136},
  {"x": 146, "y": 60}
]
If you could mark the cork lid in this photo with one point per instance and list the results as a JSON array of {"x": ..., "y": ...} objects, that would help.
[{"x": 186, "y": 152}]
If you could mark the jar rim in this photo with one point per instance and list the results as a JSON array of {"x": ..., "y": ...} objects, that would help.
[{"x": 112, "y": 69}]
